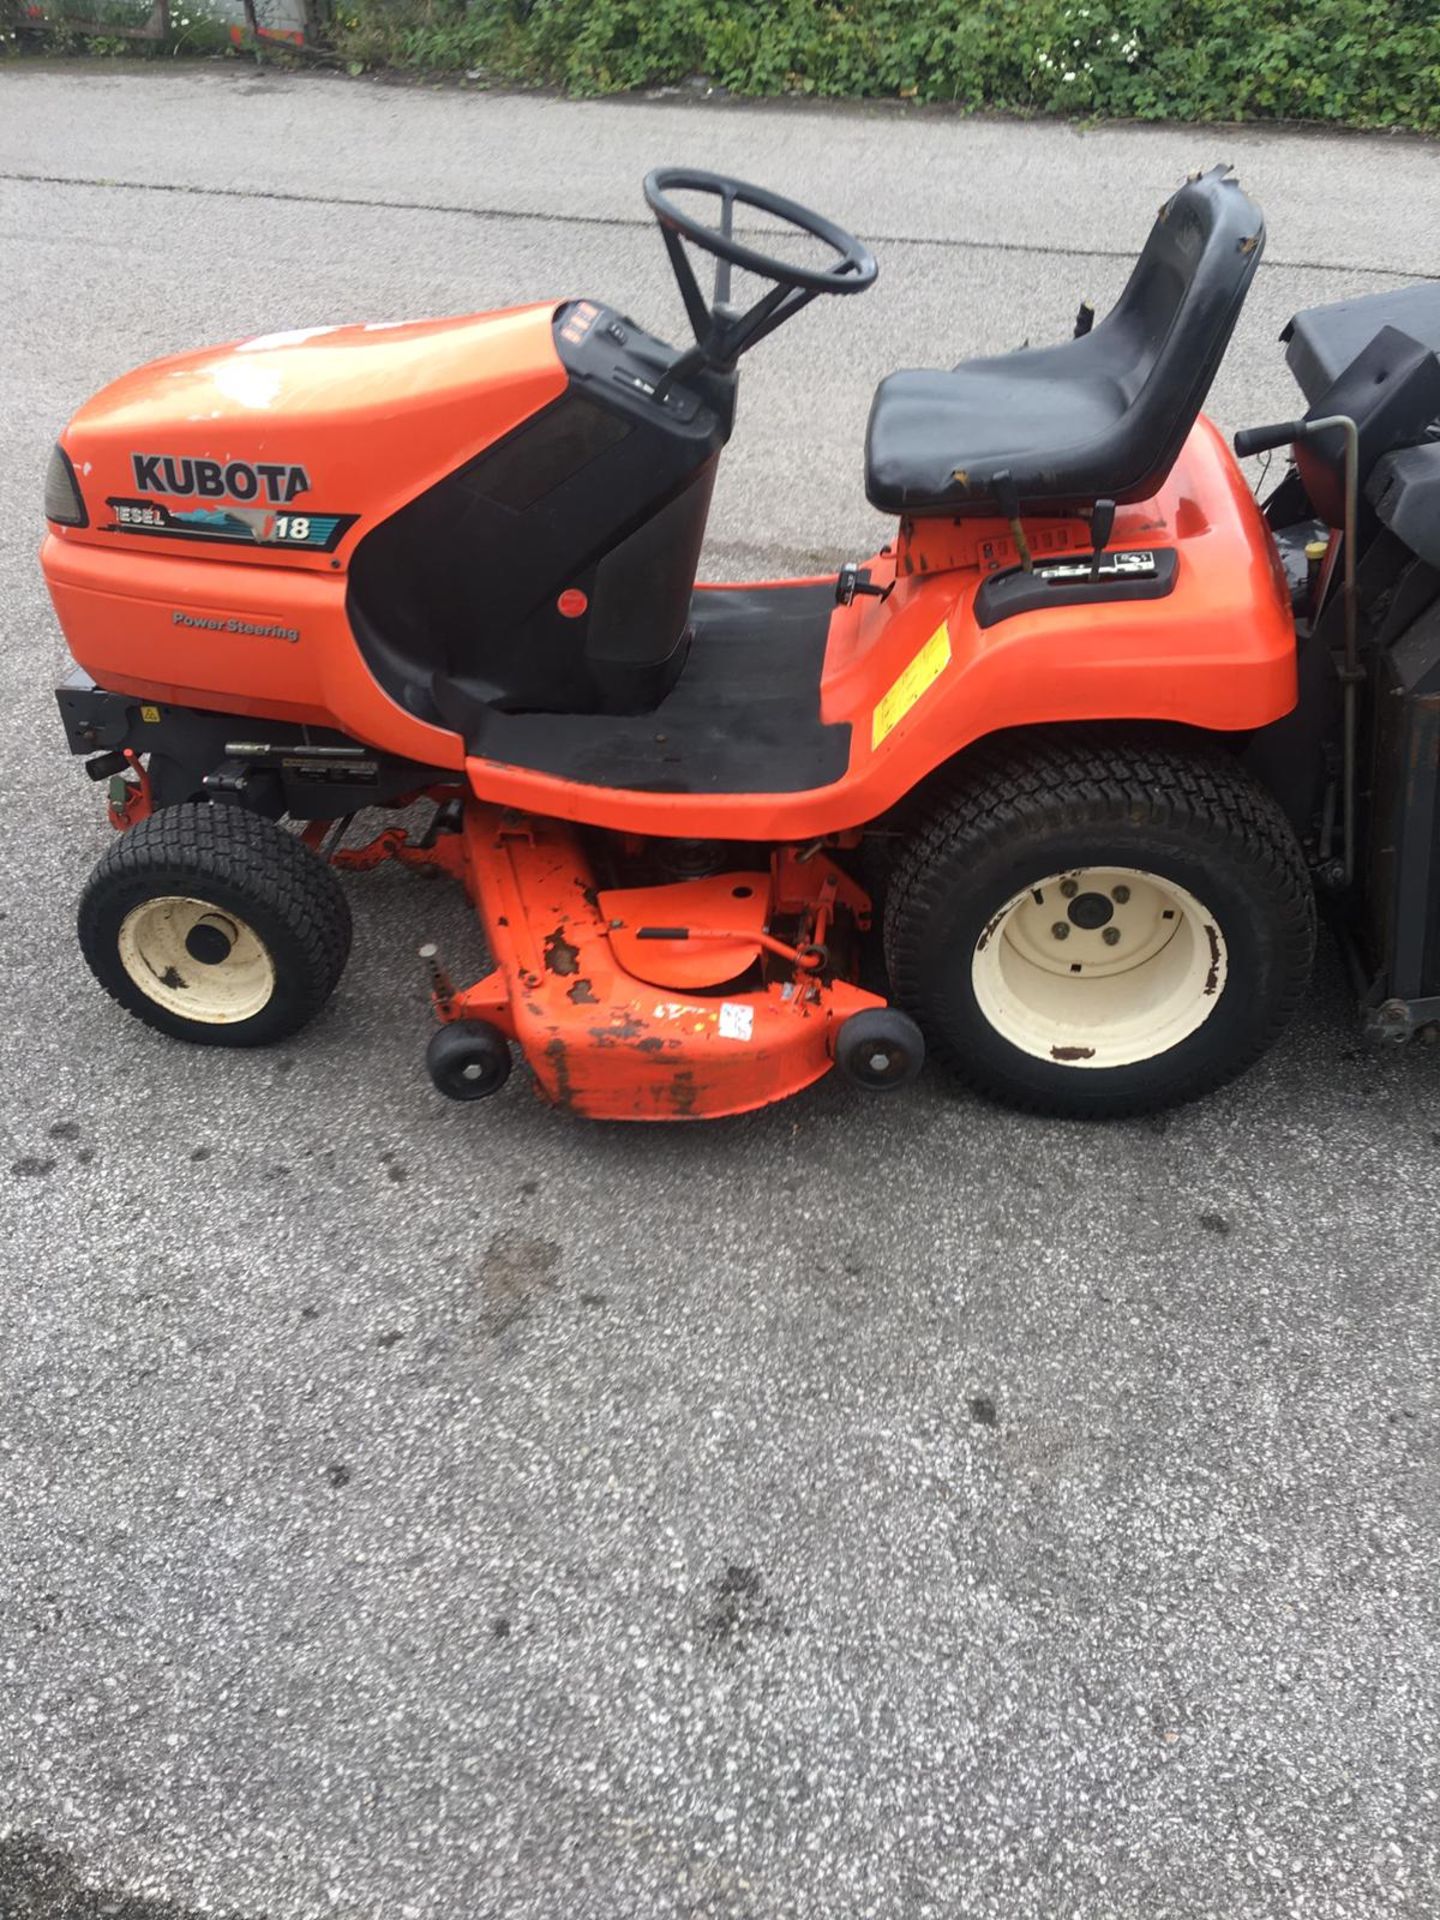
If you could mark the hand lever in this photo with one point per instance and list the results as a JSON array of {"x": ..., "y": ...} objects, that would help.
[
  {"x": 852, "y": 579},
  {"x": 1102, "y": 525}
]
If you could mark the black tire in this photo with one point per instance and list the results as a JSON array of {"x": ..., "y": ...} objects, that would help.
[
  {"x": 269, "y": 894},
  {"x": 468, "y": 1059},
  {"x": 879, "y": 1050},
  {"x": 1025, "y": 808}
]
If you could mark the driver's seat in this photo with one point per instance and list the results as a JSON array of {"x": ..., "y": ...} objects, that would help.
[{"x": 1101, "y": 417}]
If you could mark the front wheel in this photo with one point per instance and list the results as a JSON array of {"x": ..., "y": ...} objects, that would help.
[
  {"x": 1093, "y": 928},
  {"x": 215, "y": 926}
]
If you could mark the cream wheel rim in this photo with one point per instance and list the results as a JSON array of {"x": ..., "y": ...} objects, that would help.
[
  {"x": 196, "y": 960},
  {"x": 1099, "y": 967}
]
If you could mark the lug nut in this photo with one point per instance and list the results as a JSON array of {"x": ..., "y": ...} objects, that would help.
[
  {"x": 1120, "y": 895},
  {"x": 1061, "y": 929},
  {"x": 1069, "y": 888},
  {"x": 1111, "y": 936}
]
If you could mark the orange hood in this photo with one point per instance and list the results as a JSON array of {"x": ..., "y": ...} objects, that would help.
[{"x": 290, "y": 446}]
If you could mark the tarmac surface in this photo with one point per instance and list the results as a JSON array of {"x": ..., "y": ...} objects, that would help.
[{"x": 859, "y": 1509}]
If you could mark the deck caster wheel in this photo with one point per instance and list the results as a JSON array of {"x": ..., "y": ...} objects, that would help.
[
  {"x": 468, "y": 1059},
  {"x": 879, "y": 1049}
]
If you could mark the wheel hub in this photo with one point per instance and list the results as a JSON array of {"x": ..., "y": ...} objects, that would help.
[
  {"x": 1092, "y": 922},
  {"x": 1091, "y": 911},
  {"x": 1099, "y": 967},
  {"x": 211, "y": 941},
  {"x": 193, "y": 960}
]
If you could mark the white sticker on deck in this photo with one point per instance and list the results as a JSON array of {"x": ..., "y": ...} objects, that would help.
[{"x": 737, "y": 1021}]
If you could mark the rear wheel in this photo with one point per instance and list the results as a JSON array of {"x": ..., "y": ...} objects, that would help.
[
  {"x": 215, "y": 926},
  {"x": 1093, "y": 928}
]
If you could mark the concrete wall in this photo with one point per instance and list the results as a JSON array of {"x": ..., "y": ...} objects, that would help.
[{"x": 286, "y": 14}]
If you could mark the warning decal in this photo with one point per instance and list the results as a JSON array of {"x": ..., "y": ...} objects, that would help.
[
  {"x": 737, "y": 1021},
  {"x": 923, "y": 671}
]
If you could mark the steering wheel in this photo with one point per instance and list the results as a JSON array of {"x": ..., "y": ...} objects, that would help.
[{"x": 721, "y": 333}]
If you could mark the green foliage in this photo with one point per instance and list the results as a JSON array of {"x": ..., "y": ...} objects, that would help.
[
  {"x": 1369, "y": 63},
  {"x": 1364, "y": 62}
]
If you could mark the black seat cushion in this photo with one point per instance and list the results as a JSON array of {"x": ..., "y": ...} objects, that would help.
[{"x": 1101, "y": 417}]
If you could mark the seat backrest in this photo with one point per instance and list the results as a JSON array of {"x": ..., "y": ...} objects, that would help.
[{"x": 1164, "y": 339}]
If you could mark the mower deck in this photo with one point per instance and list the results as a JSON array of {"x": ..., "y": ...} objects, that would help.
[{"x": 712, "y": 1015}]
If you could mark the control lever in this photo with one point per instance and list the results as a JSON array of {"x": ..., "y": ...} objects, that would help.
[
  {"x": 1265, "y": 439},
  {"x": 1102, "y": 525},
  {"x": 809, "y": 959},
  {"x": 852, "y": 579}
]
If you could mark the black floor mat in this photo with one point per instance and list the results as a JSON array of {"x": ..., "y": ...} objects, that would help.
[{"x": 744, "y": 716}]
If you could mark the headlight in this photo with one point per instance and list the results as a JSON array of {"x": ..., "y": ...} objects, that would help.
[{"x": 63, "y": 504}]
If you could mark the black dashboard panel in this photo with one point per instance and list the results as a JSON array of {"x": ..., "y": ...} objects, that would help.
[{"x": 553, "y": 573}]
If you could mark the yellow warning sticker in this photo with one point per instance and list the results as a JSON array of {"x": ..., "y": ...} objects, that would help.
[
  {"x": 923, "y": 671},
  {"x": 151, "y": 715}
]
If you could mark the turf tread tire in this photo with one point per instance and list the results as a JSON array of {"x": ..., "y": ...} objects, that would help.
[
  {"x": 257, "y": 869},
  {"x": 1012, "y": 789}
]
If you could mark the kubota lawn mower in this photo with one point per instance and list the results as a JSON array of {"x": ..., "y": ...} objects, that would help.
[{"x": 1092, "y": 720}]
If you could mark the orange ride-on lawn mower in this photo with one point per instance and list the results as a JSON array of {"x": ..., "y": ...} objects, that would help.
[{"x": 1092, "y": 719}]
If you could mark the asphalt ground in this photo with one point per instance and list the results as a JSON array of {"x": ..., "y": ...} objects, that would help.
[{"x": 861, "y": 1508}]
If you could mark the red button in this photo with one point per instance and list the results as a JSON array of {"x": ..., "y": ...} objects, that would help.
[{"x": 572, "y": 603}]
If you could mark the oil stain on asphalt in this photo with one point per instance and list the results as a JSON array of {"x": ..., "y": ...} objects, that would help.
[
  {"x": 739, "y": 1610},
  {"x": 515, "y": 1273}
]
